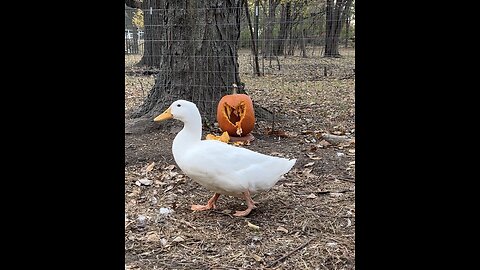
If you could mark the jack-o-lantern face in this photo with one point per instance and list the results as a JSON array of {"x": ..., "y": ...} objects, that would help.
[{"x": 235, "y": 114}]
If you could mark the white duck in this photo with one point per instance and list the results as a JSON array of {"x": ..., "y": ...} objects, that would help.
[{"x": 218, "y": 166}]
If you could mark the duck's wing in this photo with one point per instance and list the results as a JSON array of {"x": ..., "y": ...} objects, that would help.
[{"x": 233, "y": 168}]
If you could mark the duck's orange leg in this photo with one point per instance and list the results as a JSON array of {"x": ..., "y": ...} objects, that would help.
[
  {"x": 250, "y": 205},
  {"x": 210, "y": 204}
]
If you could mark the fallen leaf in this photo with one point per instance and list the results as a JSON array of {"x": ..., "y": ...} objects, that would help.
[
  {"x": 237, "y": 143},
  {"x": 165, "y": 210},
  {"x": 152, "y": 237},
  {"x": 291, "y": 110},
  {"x": 306, "y": 132},
  {"x": 172, "y": 174},
  {"x": 309, "y": 164},
  {"x": 145, "y": 181},
  {"x": 163, "y": 241},
  {"x": 170, "y": 167},
  {"x": 349, "y": 222},
  {"x": 257, "y": 258},
  {"x": 150, "y": 167},
  {"x": 279, "y": 133},
  {"x": 308, "y": 173},
  {"x": 133, "y": 193},
  {"x": 282, "y": 229},
  {"x": 160, "y": 183},
  {"x": 323, "y": 143},
  {"x": 253, "y": 226},
  {"x": 153, "y": 200},
  {"x": 290, "y": 184},
  {"x": 313, "y": 156},
  {"x": 291, "y": 134},
  {"x": 168, "y": 188},
  {"x": 178, "y": 239}
]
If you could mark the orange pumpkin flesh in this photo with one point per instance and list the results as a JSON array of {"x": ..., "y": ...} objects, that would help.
[
  {"x": 223, "y": 138},
  {"x": 235, "y": 114}
]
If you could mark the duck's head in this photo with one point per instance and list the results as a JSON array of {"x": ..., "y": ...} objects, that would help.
[{"x": 180, "y": 110}]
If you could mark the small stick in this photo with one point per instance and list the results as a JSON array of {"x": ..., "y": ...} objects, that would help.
[
  {"x": 185, "y": 222},
  {"x": 273, "y": 121},
  {"x": 143, "y": 92},
  {"x": 290, "y": 253},
  {"x": 128, "y": 224},
  {"x": 219, "y": 212}
]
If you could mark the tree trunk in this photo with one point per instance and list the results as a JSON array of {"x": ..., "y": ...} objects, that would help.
[
  {"x": 284, "y": 26},
  {"x": 153, "y": 25},
  {"x": 334, "y": 22},
  {"x": 347, "y": 26},
  {"x": 135, "y": 40},
  {"x": 302, "y": 42},
  {"x": 347, "y": 22},
  {"x": 254, "y": 39},
  {"x": 272, "y": 6},
  {"x": 197, "y": 54}
]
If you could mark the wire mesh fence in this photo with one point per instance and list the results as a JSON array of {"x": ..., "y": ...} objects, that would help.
[{"x": 260, "y": 37}]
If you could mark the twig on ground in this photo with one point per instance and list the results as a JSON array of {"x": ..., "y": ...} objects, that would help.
[
  {"x": 290, "y": 253},
  {"x": 223, "y": 213}
]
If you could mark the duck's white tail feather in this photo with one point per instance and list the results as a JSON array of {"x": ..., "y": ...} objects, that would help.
[{"x": 274, "y": 169}]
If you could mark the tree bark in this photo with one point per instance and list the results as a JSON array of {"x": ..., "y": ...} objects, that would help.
[
  {"x": 335, "y": 13},
  {"x": 198, "y": 54},
  {"x": 285, "y": 22},
  {"x": 269, "y": 49},
  {"x": 254, "y": 39},
  {"x": 347, "y": 27},
  {"x": 135, "y": 40}
]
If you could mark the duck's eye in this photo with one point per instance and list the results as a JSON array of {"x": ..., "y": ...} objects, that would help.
[{"x": 179, "y": 105}]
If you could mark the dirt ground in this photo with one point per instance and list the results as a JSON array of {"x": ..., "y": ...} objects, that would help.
[{"x": 306, "y": 221}]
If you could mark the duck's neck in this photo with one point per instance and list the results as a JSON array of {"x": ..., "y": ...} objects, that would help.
[{"x": 191, "y": 133}]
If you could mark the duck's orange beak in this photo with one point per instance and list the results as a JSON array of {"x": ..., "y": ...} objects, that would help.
[{"x": 164, "y": 116}]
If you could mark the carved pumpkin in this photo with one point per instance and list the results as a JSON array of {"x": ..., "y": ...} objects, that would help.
[{"x": 235, "y": 114}]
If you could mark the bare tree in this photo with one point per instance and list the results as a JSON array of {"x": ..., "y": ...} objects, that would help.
[
  {"x": 270, "y": 24},
  {"x": 335, "y": 13},
  {"x": 348, "y": 17},
  {"x": 285, "y": 21},
  {"x": 254, "y": 39}
]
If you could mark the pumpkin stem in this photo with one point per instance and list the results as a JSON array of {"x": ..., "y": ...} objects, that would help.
[{"x": 235, "y": 87}]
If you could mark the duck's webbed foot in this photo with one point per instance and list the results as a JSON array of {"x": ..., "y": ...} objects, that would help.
[
  {"x": 250, "y": 205},
  {"x": 210, "y": 204}
]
